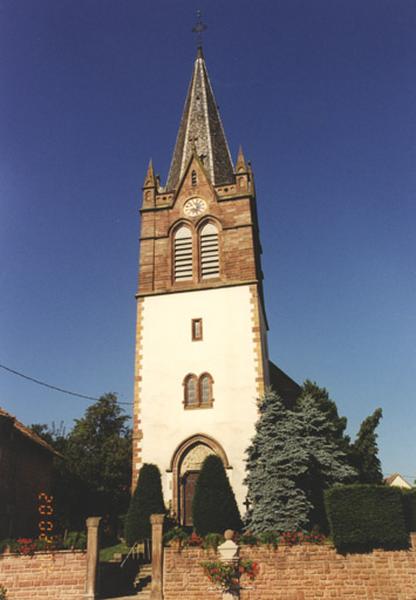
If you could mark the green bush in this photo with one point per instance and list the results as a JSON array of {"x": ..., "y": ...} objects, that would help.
[
  {"x": 76, "y": 540},
  {"x": 212, "y": 540},
  {"x": 248, "y": 539},
  {"x": 363, "y": 517},
  {"x": 409, "y": 508},
  {"x": 270, "y": 538},
  {"x": 147, "y": 499},
  {"x": 214, "y": 508},
  {"x": 176, "y": 533}
]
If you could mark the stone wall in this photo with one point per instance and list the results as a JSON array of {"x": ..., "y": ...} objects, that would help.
[
  {"x": 44, "y": 576},
  {"x": 183, "y": 577},
  {"x": 305, "y": 572}
]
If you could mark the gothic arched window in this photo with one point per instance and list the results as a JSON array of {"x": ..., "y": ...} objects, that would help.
[
  {"x": 198, "y": 391},
  {"x": 191, "y": 390},
  {"x": 194, "y": 178},
  {"x": 205, "y": 390},
  {"x": 209, "y": 251},
  {"x": 182, "y": 254}
]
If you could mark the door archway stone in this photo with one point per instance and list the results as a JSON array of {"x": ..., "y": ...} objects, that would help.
[{"x": 185, "y": 464}]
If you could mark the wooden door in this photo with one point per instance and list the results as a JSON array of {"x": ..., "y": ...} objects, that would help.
[{"x": 188, "y": 491}]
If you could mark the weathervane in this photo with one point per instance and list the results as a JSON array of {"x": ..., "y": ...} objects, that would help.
[{"x": 199, "y": 28}]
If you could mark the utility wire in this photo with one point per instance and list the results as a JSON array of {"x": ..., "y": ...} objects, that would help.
[{"x": 54, "y": 387}]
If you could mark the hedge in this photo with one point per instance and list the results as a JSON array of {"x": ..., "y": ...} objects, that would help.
[
  {"x": 364, "y": 517},
  {"x": 409, "y": 508}
]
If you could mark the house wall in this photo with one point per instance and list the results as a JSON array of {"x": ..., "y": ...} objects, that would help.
[
  {"x": 305, "y": 572},
  {"x": 25, "y": 471},
  {"x": 44, "y": 576}
]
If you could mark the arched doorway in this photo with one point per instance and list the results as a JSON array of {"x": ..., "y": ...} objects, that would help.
[{"x": 186, "y": 464}]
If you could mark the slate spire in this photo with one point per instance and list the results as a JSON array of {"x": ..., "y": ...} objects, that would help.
[{"x": 201, "y": 130}]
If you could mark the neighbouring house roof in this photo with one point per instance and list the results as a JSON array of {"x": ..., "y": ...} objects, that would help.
[
  {"x": 397, "y": 480},
  {"x": 26, "y": 432}
]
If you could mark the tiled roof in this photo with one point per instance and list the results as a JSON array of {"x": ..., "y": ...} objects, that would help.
[
  {"x": 284, "y": 385},
  {"x": 201, "y": 131},
  {"x": 390, "y": 479},
  {"x": 27, "y": 432}
]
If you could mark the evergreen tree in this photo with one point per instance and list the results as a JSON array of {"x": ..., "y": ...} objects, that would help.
[
  {"x": 364, "y": 451},
  {"x": 327, "y": 460},
  {"x": 330, "y": 410},
  {"x": 147, "y": 499},
  {"x": 214, "y": 508},
  {"x": 294, "y": 456},
  {"x": 277, "y": 460}
]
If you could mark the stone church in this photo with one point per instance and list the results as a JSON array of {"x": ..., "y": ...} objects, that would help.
[{"x": 201, "y": 357}]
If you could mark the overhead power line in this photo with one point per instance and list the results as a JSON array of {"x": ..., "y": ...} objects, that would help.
[{"x": 54, "y": 387}]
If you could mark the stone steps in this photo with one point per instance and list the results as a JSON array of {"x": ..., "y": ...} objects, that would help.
[{"x": 142, "y": 584}]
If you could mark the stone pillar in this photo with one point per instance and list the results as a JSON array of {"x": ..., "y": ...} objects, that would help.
[
  {"x": 156, "y": 592},
  {"x": 413, "y": 540},
  {"x": 93, "y": 524},
  {"x": 228, "y": 552}
]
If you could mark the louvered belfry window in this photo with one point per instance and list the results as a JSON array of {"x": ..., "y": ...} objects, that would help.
[
  {"x": 182, "y": 249},
  {"x": 209, "y": 252}
]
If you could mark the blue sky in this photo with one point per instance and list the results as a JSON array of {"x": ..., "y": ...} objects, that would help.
[{"x": 322, "y": 97}]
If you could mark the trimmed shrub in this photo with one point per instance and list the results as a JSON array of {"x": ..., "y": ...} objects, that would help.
[
  {"x": 409, "y": 509},
  {"x": 147, "y": 499},
  {"x": 214, "y": 508},
  {"x": 364, "y": 517}
]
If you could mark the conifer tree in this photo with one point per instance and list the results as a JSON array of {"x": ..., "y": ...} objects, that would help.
[
  {"x": 276, "y": 461},
  {"x": 364, "y": 452},
  {"x": 327, "y": 460},
  {"x": 214, "y": 508},
  {"x": 294, "y": 456},
  {"x": 328, "y": 407},
  {"x": 147, "y": 499}
]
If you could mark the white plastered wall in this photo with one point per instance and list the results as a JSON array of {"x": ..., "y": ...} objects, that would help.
[{"x": 169, "y": 354}]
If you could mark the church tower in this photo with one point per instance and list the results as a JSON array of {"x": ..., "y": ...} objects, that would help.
[{"x": 201, "y": 351}]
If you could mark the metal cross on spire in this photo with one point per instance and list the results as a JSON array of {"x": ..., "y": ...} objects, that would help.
[{"x": 199, "y": 28}]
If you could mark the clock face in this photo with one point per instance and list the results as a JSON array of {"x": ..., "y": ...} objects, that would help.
[{"x": 194, "y": 207}]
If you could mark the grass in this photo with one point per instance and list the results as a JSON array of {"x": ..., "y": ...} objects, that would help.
[{"x": 106, "y": 554}]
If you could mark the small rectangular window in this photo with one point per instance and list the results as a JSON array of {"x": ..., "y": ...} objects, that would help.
[{"x": 196, "y": 330}]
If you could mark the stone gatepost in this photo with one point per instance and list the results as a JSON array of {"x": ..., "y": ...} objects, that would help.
[
  {"x": 228, "y": 552},
  {"x": 156, "y": 592},
  {"x": 93, "y": 524}
]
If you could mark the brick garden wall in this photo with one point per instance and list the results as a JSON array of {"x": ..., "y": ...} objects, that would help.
[
  {"x": 304, "y": 572},
  {"x": 44, "y": 576}
]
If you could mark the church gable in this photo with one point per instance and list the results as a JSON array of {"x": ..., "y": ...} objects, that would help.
[{"x": 195, "y": 183}]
